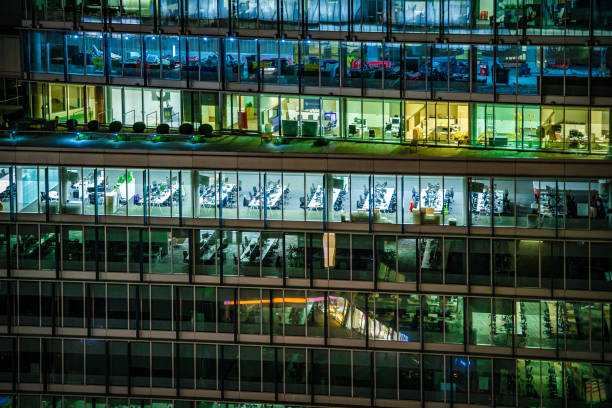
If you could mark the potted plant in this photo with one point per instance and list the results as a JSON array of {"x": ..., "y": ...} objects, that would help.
[
  {"x": 186, "y": 129},
  {"x": 138, "y": 127}
]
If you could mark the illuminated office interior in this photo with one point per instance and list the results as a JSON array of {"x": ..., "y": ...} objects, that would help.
[{"x": 399, "y": 204}]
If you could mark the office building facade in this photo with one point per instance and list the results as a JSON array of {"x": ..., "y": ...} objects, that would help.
[{"x": 402, "y": 203}]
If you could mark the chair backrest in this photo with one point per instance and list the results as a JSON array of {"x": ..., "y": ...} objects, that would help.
[
  {"x": 290, "y": 127},
  {"x": 309, "y": 129}
]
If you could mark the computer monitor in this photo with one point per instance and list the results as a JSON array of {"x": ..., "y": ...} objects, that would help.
[{"x": 331, "y": 116}]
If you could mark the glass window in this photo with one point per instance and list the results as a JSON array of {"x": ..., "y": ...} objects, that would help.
[
  {"x": 554, "y": 69},
  {"x": 248, "y": 60},
  {"x": 430, "y": 257},
  {"x": 432, "y": 311},
  {"x": 386, "y": 258},
  {"x": 120, "y": 188},
  {"x": 208, "y": 60},
  {"x": 74, "y": 361},
  {"x": 29, "y": 246},
  {"x": 391, "y": 64},
  {"x": 433, "y": 378},
  {"x": 454, "y": 206},
  {"x": 409, "y": 377},
  {"x": 97, "y": 295},
  {"x": 528, "y": 65},
  {"x": 503, "y": 262},
  {"x": 415, "y": 64},
  {"x": 181, "y": 251},
  {"x": 205, "y": 309},
  {"x": 119, "y": 363},
  {"x": 186, "y": 308},
  {"x": 502, "y": 323},
  {"x": 161, "y": 307},
  {"x": 482, "y": 81},
  {"x": 206, "y": 252},
  {"x": 73, "y": 305},
  {"x": 552, "y": 204},
  {"x": 459, "y": 65},
  {"x": 330, "y": 56},
  {"x": 352, "y": 71},
  {"x": 143, "y": 305},
  {"x": 362, "y": 379},
  {"x": 250, "y": 368},
  {"x": 273, "y": 192},
  {"x": 337, "y": 251},
  {"x": 385, "y": 320},
  {"x": 505, "y": 381},
  {"x": 455, "y": 261},
  {"x": 505, "y": 128},
  {"x": 117, "y": 306},
  {"x": 116, "y": 249},
  {"x": 250, "y": 311},
  {"x": 140, "y": 365},
  {"x": 29, "y": 304},
  {"x": 431, "y": 204},
  {"x": 439, "y": 66},
  {"x": 373, "y": 65},
  {"x": 161, "y": 364},
  {"x": 386, "y": 375},
  {"x": 95, "y": 361},
  {"x": 206, "y": 366},
  {"x": 601, "y": 217},
  {"x": 527, "y": 203},
  {"x": 408, "y": 318},
  {"x": 289, "y": 59},
  {"x": 456, "y": 378},
  {"x": 480, "y": 261},
  {"x": 340, "y": 372},
  {"x": 249, "y": 195},
  {"x": 29, "y": 360},
  {"x": 480, "y": 317},
  {"x": 362, "y": 257},
  {"x": 152, "y": 107},
  {"x": 161, "y": 247},
  {"x": 601, "y": 265},
  {"x": 599, "y": 128},
  {"x": 337, "y": 198},
  {"x": 527, "y": 263},
  {"x": 295, "y": 371},
  {"x": 406, "y": 259},
  {"x": 208, "y": 194},
  {"x": 480, "y": 380},
  {"x": 94, "y": 249},
  {"x": 27, "y": 190}
]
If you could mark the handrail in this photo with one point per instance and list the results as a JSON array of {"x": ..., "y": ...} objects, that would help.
[
  {"x": 133, "y": 111},
  {"x": 147, "y": 118},
  {"x": 18, "y": 97}
]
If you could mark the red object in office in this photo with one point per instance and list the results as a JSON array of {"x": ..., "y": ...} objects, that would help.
[
  {"x": 244, "y": 124},
  {"x": 484, "y": 15},
  {"x": 483, "y": 70}
]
